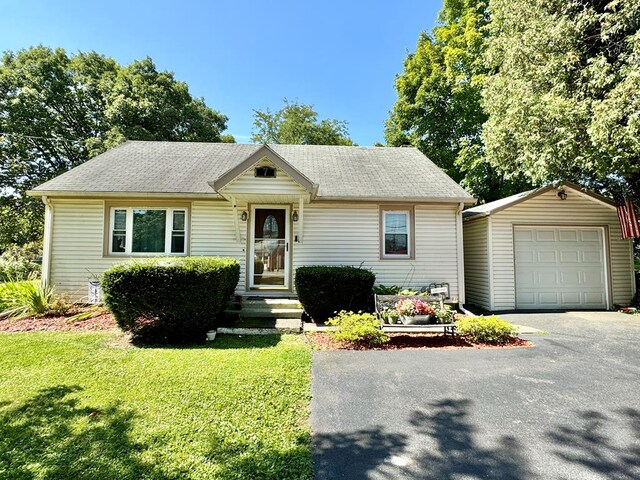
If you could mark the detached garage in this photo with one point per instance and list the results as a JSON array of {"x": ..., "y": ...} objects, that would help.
[{"x": 553, "y": 248}]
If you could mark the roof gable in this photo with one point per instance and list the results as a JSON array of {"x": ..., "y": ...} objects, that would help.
[
  {"x": 262, "y": 154},
  {"x": 492, "y": 208}
]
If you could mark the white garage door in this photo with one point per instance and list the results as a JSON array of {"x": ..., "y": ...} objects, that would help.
[{"x": 560, "y": 267}]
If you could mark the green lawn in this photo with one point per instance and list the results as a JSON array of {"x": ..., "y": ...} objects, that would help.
[{"x": 88, "y": 405}]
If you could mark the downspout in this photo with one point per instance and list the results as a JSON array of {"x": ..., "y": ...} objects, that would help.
[
  {"x": 46, "y": 244},
  {"x": 460, "y": 253}
]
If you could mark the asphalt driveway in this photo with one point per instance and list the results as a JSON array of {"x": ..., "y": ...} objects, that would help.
[{"x": 569, "y": 408}]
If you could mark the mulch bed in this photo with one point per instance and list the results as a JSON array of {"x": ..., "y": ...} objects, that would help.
[
  {"x": 412, "y": 341},
  {"x": 62, "y": 323}
]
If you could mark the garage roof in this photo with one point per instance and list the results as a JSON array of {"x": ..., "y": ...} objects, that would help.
[{"x": 490, "y": 208}]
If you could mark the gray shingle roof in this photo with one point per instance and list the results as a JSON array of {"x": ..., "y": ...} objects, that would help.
[{"x": 186, "y": 168}]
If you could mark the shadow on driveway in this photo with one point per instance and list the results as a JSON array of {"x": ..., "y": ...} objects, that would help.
[
  {"x": 452, "y": 452},
  {"x": 356, "y": 454}
]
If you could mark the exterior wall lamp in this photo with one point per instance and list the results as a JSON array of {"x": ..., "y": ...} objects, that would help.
[
  {"x": 244, "y": 216},
  {"x": 295, "y": 216},
  {"x": 562, "y": 195}
]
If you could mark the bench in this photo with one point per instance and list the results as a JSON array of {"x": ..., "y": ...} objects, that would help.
[{"x": 387, "y": 302}]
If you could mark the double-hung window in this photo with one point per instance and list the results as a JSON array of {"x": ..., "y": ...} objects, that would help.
[
  {"x": 148, "y": 231},
  {"x": 396, "y": 233}
]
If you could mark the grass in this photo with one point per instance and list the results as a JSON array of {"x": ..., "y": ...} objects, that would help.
[{"x": 89, "y": 405}]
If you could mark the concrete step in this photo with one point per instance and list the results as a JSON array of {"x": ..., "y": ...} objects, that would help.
[
  {"x": 265, "y": 327},
  {"x": 294, "y": 313},
  {"x": 272, "y": 303}
]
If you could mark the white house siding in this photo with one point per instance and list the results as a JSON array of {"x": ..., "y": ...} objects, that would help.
[
  {"x": 339, "y": 234},
  {"x": 548, "y": 209},
  {"x": 77, "y": 246},
  {"x": 213, "y": 233},
  {"x": 335, "y": 234},
  {"x": 476, "y": 263}
]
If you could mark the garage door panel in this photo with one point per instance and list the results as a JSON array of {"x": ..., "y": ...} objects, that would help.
[
  {"x": 546, "y": 257},
  {"x": 570, "y": 298},
  {"x": 559, "y": 267},
  {"x": 567, "y": 235},
  {"x": 590, "y": 236},
  {"x": 523, "y": 235},
  {"x": 592, "y": 257},
  {"x": 524, "y": 256},
  {"x": 570, "y": 278},
  {"x": 593, "y": 298},
  {"x": 548, "y": 298},
  {"x": 545, "y": 235},
  {"x": 569, "y": 256}
]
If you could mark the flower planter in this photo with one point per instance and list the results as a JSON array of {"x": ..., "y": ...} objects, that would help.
[{"x": 417, "y": 319}]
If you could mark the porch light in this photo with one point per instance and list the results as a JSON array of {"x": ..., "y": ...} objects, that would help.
[
  {"x": 295, "y": 217},
  {"x": 562, "y": 195},
  {"x": 243, "y": 216}
]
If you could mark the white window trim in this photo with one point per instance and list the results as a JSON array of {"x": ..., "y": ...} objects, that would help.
[
  {"x": 384, "y": 234},
  {"x": 168, "y": 229}
]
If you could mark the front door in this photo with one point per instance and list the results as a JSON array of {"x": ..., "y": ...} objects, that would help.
[{"x": 269, "y": 248}]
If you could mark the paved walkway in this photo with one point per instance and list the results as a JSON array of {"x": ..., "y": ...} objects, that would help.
[{"x": 569, "y": 408}]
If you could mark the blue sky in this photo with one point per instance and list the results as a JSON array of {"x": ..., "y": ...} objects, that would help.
[{"x": 340, "y": 56}]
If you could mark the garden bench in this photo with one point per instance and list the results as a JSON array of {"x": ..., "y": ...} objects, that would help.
[{"x": 387, "y": 302}]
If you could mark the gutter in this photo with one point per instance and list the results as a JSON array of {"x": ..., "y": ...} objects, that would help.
[{"x": 147, "y": 195}]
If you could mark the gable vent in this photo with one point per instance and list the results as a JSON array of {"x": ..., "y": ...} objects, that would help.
[{"x": 265, "y": 172}]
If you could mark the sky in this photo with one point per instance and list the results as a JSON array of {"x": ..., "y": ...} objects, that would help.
[{"x": 340, "y": 56}]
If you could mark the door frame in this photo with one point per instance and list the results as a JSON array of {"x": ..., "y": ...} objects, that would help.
[{"x": 251, "y": 246}]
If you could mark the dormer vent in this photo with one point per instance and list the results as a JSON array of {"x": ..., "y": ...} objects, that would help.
[{"x": 265, "y": 172}]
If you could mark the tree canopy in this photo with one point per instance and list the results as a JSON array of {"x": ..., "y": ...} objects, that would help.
[
  {"x": 297, "y": 123},
  {"x": 58, "y": 110},
  {"x": 439, "y": 107},
  {"x": 506, "y": 94},
  {"x": 562, "y": 96}
]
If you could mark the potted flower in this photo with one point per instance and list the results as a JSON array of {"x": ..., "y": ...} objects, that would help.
[{"x": 414, "y": 311}]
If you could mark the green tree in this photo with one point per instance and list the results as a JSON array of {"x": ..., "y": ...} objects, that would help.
[
  {"x": 297, "y": 123},
  {"x": 439, "y": 107},
  {"x": 58, "y": 110},
  {"x": 562, "y": 97}
]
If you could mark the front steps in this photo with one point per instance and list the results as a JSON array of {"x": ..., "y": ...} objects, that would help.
[{"x": 261, "y": 315}]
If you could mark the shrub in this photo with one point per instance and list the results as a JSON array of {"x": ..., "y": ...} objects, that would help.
[
  {"x": 169, "y": 300},
  {"x": 357, "y": 328},
  {"x": 486, "y": 329},
  {"x": 325, "y": 290},
  {"x": 386, "y": 290},
  {"x": 19, "y": 262},
  {"x": 20, "y": 299},
  {"x": 448, "y": 315}
]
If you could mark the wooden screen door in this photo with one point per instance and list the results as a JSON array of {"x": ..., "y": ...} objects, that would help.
[{"x": 270, "y": 248}]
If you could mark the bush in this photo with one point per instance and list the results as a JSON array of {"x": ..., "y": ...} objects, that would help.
[
  {"x": 324, "y": 290},
  {"x": 169, "y": 300},
  {"x": 357, "y": 328},
  {"x": 19, "y": 262},
  {"x": 448, "y": 315},
  {"x": 30, "y": 298},
  {"x": 486, "y": 329}
]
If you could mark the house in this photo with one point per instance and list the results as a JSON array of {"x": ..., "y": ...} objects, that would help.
[
  {"x": 272, "y": 207},
  {"x": 550, "y": 248}
]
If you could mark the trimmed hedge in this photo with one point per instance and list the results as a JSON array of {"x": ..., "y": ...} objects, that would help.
[
  {"x": 325, "y": 290},
  {"x": 169, "y": 300}
]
